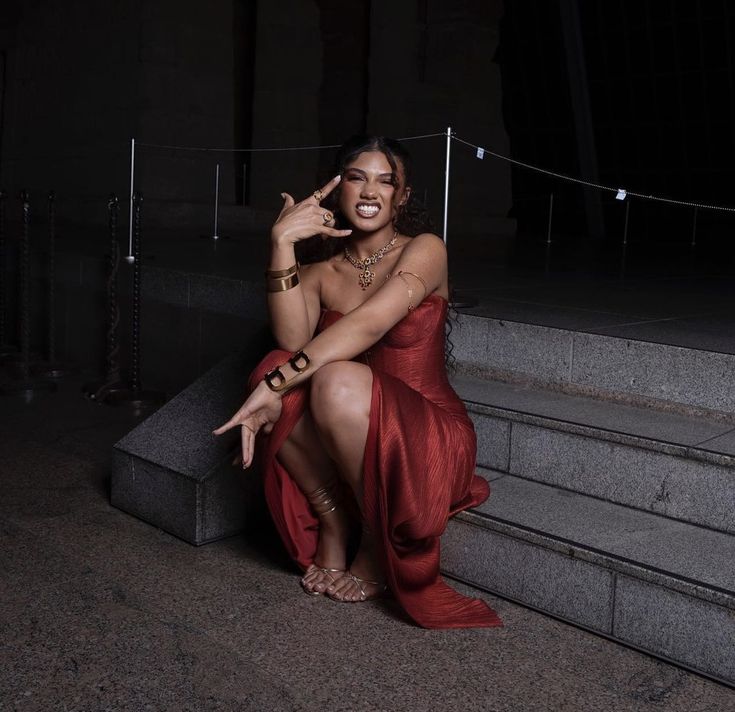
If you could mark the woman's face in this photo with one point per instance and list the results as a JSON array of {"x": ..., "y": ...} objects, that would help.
[{"x": 369, "y": 195}]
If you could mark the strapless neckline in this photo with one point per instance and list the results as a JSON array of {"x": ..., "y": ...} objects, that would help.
[{"x": 431, "y": 296}]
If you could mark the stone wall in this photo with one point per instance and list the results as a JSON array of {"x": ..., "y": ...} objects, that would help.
[{"x": 84, "y": 77}]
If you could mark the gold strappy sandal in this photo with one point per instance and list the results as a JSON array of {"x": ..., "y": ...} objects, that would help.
[
  {"x": 324, "y": 501},
  {"x": 360, "y": 583}
]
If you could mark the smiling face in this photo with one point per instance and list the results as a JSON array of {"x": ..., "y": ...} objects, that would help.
[{"x": 371, "y": 191}]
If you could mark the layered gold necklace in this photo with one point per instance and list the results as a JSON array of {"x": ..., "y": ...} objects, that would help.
[{"x": 366, "y": 275}]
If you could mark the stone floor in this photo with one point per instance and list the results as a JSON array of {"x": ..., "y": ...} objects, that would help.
[{"x": 100, "y": 611}]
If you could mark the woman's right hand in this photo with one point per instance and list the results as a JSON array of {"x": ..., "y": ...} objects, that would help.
[
  {"x": 262, "y": 409},
  {"x": 299, "y": 221}
]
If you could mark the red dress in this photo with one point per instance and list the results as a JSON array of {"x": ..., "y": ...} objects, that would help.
[{"x": 418, "y": 469}]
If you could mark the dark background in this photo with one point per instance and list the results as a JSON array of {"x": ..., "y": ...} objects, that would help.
[{"x": 623, "y": 93}]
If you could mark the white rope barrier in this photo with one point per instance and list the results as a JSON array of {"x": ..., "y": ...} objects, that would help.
[
  {"x": 271, "y": 149},
  {"x": 620, "y": 193}
]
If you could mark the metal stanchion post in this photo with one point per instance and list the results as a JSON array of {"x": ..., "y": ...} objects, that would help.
[
  {"x": 624, "y": 251},
  {"x": 51, "y": 368},
  {"x": 458, "y": 300},
  {"x": 693, "y": 243},
  {"x": 23, "y": 384},
  {"x": 112, "y": 380},
  {"x": 5, "y": 348},
  {"x": 136, "y": 397},
  {"x": 547, "y": 259}
]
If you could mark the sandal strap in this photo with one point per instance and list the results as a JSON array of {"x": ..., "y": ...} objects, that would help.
[
  {"x": 360, "y": 581},
  {"x": 324, "y": 500}
]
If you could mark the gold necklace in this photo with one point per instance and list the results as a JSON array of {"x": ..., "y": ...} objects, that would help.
[{"x": 366, "y": 278}]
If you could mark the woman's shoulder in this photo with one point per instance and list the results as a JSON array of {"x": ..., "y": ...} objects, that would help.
[
  {"x": 319, "y": 271},
  {"x": 426, "y": 242}
]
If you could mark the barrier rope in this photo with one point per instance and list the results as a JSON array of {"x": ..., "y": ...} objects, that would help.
[
  {"x": 580, "y": 181},
  {"x": 267, "y": 149}
]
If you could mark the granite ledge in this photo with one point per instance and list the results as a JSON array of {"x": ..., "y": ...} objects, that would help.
[
  {"x": 598, "y": 433},
  {"x": 613, "y": 563}
]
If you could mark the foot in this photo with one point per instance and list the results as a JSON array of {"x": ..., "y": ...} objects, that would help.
[
  {"x": 363, "y": 581},
  {"x": 354, "y": 589},
  {"x": 329, "y": 563}
]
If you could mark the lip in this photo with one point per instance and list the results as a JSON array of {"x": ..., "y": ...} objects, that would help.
[{"x": 367, "y": 210}]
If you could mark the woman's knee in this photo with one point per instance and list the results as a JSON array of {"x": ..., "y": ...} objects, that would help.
[{"x": 341, "y": 392}]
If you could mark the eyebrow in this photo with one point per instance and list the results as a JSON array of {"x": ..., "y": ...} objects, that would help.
[{"x": 359, "y": 170}]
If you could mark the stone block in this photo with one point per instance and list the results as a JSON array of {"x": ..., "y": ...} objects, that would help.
[
  {"x": 165, "y": 285},
  {"x": 679, "y": 627},
  {"x": 514, "y": 347},
  {"x": 493, "y": 441},
  {"x": 669, "y": 373},
  {"x": 538, "y": 577},
  {"x": 172, "y": 472},
  {"x": 469, "y": 338},
  {"x": 215, "y": 294},
  {"x": 689, "y": 490},
  {"x": 688, "y": 558},
  {"x": 169, "y": 346},
  {"x": 524, "y": 404}
]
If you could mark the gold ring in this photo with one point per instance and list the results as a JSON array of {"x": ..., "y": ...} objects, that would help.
[
  {"x": 328, "y": 217},
  {"x": 318, "y": 195}
]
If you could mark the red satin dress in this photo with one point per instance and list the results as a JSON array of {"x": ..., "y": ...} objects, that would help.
[{"x": 418, "y": 468}]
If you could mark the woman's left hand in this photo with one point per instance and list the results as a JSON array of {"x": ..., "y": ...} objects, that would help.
[{"x": 261, "y": 410}]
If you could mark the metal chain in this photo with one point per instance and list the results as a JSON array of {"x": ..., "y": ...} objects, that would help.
[
  {"x": 51, "y": 278},
  {"x": 25, "y": 288},
  {"x": 3, "y": 274},
  {"x": 113, "y": 310}
]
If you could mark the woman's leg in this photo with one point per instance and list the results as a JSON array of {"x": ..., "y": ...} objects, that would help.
[
  {"x": 341, "y": 393},
  {"x": 307, "y": 462}
]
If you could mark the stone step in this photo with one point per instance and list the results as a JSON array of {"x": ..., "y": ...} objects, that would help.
[
  {"x": 605, "y": 366},
  {"x": 172, "y": 472},
  {"x": 676, "y": 465},
  {"x": 662, "y": 586}
]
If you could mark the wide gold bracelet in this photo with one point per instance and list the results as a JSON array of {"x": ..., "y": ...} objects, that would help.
[
  {"x": 276, "y": 381},
  {"x": 294, "y": 362},
  {"x": 282, "y": 284},
  {"x": 276, "y": 273}
]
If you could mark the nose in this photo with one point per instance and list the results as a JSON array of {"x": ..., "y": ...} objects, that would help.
[{"x": 368, "y": 190}]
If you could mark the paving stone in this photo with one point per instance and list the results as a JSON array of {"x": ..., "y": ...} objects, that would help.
[
  {"x": 513, "y": 346},
  {"x": 684, "y": 489},
  {"x": 493, "y": 441},
  {"x": 680, "y": 627},
  {"x": 538, "y": 577},
  {"x": 669, "y": 373}
]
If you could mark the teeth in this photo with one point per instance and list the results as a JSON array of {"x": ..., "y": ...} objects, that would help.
[{"x": 368, "y": 210}]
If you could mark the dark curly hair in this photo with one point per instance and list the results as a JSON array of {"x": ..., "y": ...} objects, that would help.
[{"x": 412, "y": 218}]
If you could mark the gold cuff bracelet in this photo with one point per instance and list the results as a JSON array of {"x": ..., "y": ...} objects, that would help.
[{"x": 283, "y": 284}]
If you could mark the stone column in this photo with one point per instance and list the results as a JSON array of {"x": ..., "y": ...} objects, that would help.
[
  {"x": 432, "y": 67},
  {"x": 288, "y": 76}
]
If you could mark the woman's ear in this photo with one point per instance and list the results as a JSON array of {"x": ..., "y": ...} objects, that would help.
[{"x": 406, "y": 196}]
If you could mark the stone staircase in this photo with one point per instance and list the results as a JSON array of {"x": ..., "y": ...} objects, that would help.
[{"x": 612, "y": 468}]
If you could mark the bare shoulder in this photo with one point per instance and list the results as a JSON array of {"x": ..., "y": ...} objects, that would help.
[
  {"x": 314, "y": 270},
  {"x": 428, "y": 244}
]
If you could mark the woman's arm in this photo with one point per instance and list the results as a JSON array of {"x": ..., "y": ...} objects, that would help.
[
  {"x": 294, "y": 312},
  {"x": 353, "y": 334}
]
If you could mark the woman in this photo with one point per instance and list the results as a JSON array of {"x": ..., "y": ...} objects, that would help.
[{"x": 359, "y": 425}]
